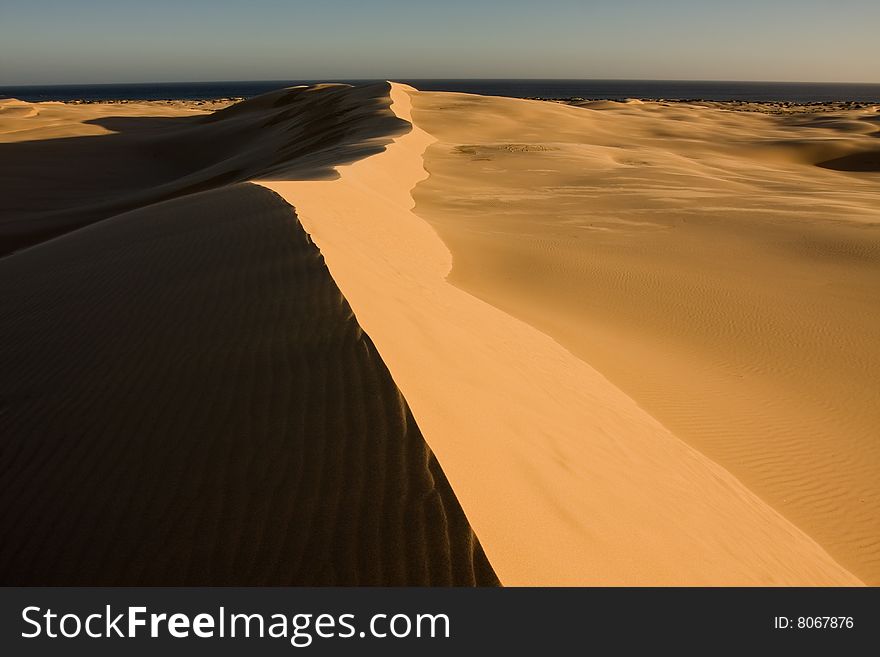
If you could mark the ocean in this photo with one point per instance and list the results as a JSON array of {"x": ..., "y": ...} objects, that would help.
[{"x": 798, "y": 92}]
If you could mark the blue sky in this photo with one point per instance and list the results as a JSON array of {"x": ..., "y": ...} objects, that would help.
[{"x": 54, "y": 41}]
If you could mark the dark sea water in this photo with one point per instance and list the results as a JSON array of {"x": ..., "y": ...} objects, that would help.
[{"x": 799, "y": 92}]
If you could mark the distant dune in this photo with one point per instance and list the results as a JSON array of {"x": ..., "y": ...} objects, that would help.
[
  {"x": 153, "y": 152},
  {"x": 639, "y": 338}
]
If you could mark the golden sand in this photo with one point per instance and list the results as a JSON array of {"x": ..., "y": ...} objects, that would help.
[
  {"x": 722, "y": 268},
  {"x": 638, "y": 337},
  {"x": 566, "y": 479}
]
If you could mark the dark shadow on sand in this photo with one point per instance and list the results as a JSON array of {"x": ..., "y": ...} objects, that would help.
[{"x": 50, "y": 187}]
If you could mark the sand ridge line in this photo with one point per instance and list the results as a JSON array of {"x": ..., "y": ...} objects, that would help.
[{"x": 565, "y": 478}]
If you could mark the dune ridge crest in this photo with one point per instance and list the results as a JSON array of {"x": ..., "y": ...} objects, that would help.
[{"x": 565, "y": 478}]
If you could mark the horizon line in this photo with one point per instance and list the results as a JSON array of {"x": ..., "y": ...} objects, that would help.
[{"x": 457, "y": 79}]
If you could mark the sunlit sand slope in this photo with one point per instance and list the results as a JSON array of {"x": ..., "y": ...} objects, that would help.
[
  {"x": 566, "y": 479},
  {"x": 722, "y": 268}
]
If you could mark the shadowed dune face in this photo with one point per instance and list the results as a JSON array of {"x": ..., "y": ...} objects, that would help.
[
  {"x": 124, "y": 162},
  {"x": 187, "y": 399},
  {"x": 860, "y": 161},
  {"x": 703, "y": 262}
]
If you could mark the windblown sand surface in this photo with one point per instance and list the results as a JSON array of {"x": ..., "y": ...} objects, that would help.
[
  {"x": 650, "y": 364},
  {"x": 566, "y": 479},
  {"x": 187, "y": 399},
  {"x": 722, "y": 268}
]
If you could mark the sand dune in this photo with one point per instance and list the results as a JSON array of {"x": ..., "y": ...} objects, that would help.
[
  {"x": 187, "y": 399},
  {"x": 706, "y": 261},
  {"x": 564, "y": 477},
  {"x": 651, "y": 363},
  {"x": 109, "y": 163},
  {"x": 12, "y": 108}
]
